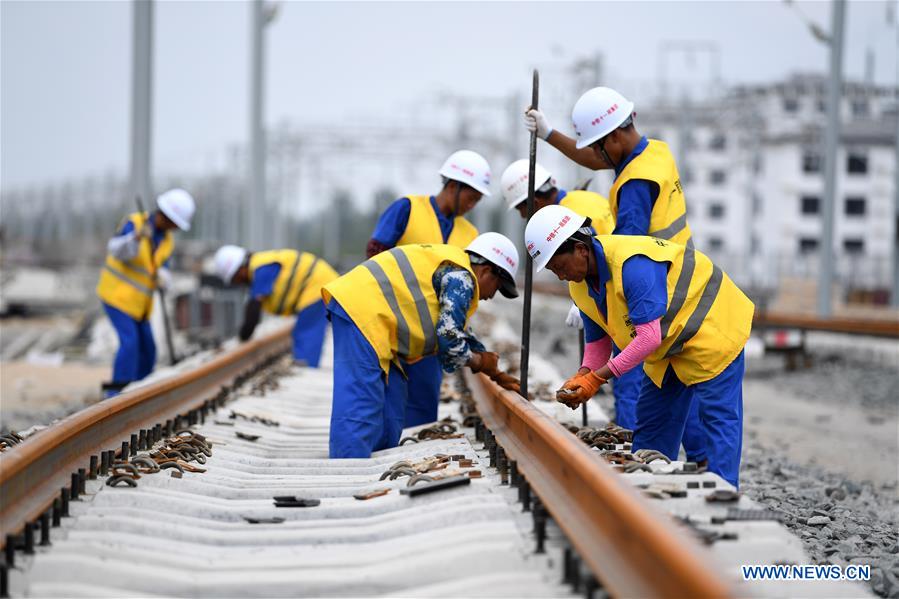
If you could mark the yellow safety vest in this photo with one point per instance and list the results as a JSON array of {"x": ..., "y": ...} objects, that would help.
[
  {"x": 593, "y": 205},
  {"x": 423, "y": 226},
  {"x": 128, "y": 285},
  {"x": 299, "y": 282},
  {"x": 707, "y": 321},
  {"x": 669, "y": 213},
  {"x": 391, "y": 299}
]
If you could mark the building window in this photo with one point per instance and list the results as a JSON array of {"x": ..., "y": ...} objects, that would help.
[
  {"x": 716, "y": 244},
  {"x": 810, "y": 204},
  {"x": 821, "y": 105},
  {"x": 811, "y": 162},
  {"x": 857, "y": 163},
  {"x": 716, "y": 211},
  {"x": 854, "y": 246},
  {"x": 718, "y": 141},
  {"x": 717, "y": 177},
  {"x": 791, "y": 104},
  {"x": 756, "y": 204},
  {"x": 808, "y": 245},
  {"x": 860, "y": 107},
  {"x": 855, "y": 206}
]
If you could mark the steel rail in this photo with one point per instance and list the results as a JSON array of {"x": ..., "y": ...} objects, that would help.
[
  {"x": 875, "y": 327},
  {"x": 33, "y": 472},
  {"x": 632, "y": 549}
]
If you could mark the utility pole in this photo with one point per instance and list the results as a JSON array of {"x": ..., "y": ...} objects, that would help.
[
  {"x": 141, "y": 98},
  {"x": 255, "y": 209},
  {"x": 831, "y": 147}
]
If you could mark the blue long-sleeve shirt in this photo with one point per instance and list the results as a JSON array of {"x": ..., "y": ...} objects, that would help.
[
  {"x": 636, "y": 199},
  {"x": 645, "y": 290},
  {"x": 263, "y": 284},
  {"x": 392, "y": 223},
  {"x": 455, "y": 291}
]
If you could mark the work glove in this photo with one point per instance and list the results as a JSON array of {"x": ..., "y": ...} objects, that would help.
[
  {"x": 574, "y": 319},
  {"x": 506, "y": 381},
  {"x": 164, "y": 278},
  {"x": 145, "y": 232},
  {"x": 486, "y": 362},
  {"x": 579, "y": 388},
  {"x": 534, "y": 120}
]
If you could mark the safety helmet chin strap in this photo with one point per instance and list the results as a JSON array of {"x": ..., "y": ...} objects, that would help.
[{"x": 456, "y": 199}]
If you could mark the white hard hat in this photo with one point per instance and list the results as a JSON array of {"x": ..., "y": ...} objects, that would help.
[
  {"x": 499, "y": 250},
  {"x": 597, "y": 113},
  {"x": 228, "y": 259},
  {"x": 547, "y": 231},
  {"x": 515, "y": 181},
  {"x": 178, "y": 206},
  {"x": 470, "y": 168}
]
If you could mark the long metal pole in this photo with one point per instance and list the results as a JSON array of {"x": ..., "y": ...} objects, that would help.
[
  {"x": 255, "y": 209},
  {"x": 895, "y": 295},
  {"x": 141, "y": 97},
  {"x": 831, "y": 147},
  {"x": 529, "y": 264}
]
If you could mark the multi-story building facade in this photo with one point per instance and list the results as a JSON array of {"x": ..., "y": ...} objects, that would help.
[{"x": 752, "y": 166}]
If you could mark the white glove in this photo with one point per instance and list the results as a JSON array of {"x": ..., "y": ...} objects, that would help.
[
  {"x": 535, "y": 121},
  {"x": 574, "y": 319},
  {"x": 164, "y": 278}
]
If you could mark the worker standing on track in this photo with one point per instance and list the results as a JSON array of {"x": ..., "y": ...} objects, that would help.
[
  {"x": 410, "y": 302},
  {"x": 435, "y": 220},
  {"x": 664, "y": 303},
  {"x": 282, "y": 282},
  {"x": 646, "y": 198},
  {"x": 136, "y": 262}
]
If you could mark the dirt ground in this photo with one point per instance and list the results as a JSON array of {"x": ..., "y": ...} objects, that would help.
[{"x": 34, "y": 394}]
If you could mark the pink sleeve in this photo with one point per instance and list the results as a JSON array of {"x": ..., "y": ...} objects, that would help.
[
  {"x": 596, "y": 353},
  {"x": 648, "y": 339}
]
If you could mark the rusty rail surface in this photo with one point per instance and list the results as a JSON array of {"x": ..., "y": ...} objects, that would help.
[
  {"x": 874, "y": 327},
  {"x": 632, "y": 549},
  {"x": 33, "y": 472}
]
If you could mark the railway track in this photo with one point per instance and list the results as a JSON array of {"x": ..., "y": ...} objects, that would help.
[{"x": 504, "y": 501}]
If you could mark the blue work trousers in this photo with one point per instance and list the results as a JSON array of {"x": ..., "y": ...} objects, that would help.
[
  {"x": 137, "y": 351},
  {"x": 309, "y": 333},
  {"x": 368, "y": 407},
  {"x": 662, "y": 416},
  {"x": 424, "y": 378}
]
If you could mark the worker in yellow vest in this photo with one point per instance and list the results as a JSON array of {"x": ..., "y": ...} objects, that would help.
[
  {"x": 402, "y": 305},
  {"x": 646, "y": 198},
  {"x": 285, "y": 283},
  {"x": 666, "y": 305},
  {"x": 436, "y": 219},
  {"x": 136, "y": 262},
  {"x": 547, "y": 193}
]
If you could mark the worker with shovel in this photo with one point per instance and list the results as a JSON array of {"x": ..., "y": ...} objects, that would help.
[{"x": 135, "y": 265}]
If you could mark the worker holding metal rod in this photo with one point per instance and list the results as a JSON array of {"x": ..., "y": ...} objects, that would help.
[
  {"x": 436, "y": 219},
  {"x": 646, "y": 198},
  {"x": 408, "y": 303},
  {"x": 136, "y": 263},
  {"x": 665, "y": 305},
  {"x": 284, "y": 283}
]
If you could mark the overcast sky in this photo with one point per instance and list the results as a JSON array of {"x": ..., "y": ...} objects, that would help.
[{"x": 64, "y": 94}]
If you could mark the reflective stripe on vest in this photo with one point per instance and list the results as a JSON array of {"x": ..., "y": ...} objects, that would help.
[
  {"x": 306, "y": 278},
  {"x": 668, "y": 219},
  {"x": 293, "y": 273},
  {"x": 707, "y": 320},
  {"x": 423, "y": 226},
  {"x": 124, "y": 278}
]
